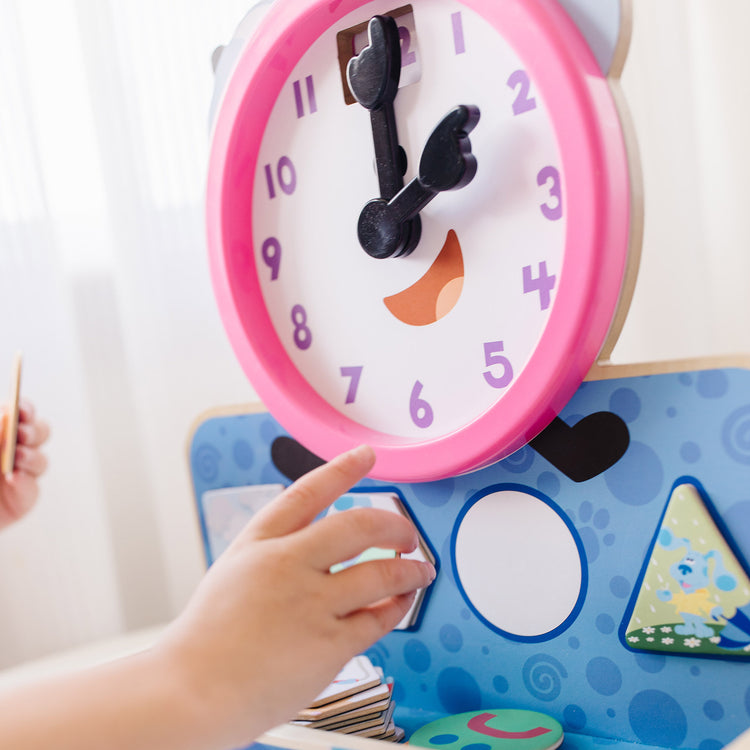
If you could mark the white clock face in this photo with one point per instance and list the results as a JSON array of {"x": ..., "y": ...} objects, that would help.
[{"x": 414, "y": 346}]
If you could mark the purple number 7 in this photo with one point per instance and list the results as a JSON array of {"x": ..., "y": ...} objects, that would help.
[{"x": 354, "y": 373}]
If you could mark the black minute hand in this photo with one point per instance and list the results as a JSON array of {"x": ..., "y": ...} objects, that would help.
[
  {"x": 446, "y": 164},
  {"x": 373, "y": 77}
]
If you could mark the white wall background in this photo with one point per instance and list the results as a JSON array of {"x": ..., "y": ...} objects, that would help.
[{"x": 104, "y": 282}]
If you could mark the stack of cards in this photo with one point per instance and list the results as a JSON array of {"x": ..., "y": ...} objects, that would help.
[{"x": 357, "y": 702}]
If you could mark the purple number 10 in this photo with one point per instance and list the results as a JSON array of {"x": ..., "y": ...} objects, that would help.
[{"x": 286, "y": 175}]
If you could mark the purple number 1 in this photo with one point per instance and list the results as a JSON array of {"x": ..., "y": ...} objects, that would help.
[{"x": 459, "y": 45}]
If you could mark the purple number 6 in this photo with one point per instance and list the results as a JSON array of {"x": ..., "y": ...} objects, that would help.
[{"x": 421, "y": 412}]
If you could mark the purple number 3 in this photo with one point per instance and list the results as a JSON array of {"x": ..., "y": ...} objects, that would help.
[{"x": 552, "y": 212}]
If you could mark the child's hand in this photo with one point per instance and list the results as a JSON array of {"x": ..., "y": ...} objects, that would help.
[
  {"x": 270, "y": 626},
  {"x": 19, "y": 490}
]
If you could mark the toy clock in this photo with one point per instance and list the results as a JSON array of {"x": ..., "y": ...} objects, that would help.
[{"x": 419, "y": 220}]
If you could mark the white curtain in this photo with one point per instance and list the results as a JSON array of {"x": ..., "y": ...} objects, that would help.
[
  {"x": 104, "y": 282},
  {"x": 104, "y": 287},
  {"x": 687, "y": 81}
]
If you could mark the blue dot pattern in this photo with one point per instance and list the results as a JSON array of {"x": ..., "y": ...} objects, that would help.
[{"x": 693, "y": 424}]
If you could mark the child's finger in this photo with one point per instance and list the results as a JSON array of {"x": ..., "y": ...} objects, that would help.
[
  {"x": 343, "y": 536},
  {"x": 370, "y": 582},
  {"x": 26, "y": 410},
  {"x": 365, "y": 626},
  {"x": 33, "y": 433},
  {"x": 299, "y": 504},
  {"x": 29, "y": 461}
]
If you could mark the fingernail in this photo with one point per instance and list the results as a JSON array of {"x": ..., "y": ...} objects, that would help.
[
  {"x": 362, "y": 452},
  {"x": 430, "y": 569}
]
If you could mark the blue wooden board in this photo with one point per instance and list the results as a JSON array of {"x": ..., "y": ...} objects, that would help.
[{"x": 692, "y": 424}]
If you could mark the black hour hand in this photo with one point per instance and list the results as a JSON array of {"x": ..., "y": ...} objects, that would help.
[
  {"x": 447, "y": 162},
  {"x": 389, "y": 228}
]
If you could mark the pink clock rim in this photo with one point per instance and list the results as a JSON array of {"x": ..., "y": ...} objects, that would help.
[{"x": 597, "y": 194}]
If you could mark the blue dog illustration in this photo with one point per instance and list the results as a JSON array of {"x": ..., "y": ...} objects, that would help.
[{"x": 694, "y": 601}]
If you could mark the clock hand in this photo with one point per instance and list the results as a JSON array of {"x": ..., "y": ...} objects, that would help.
[
  {"x": 373, "y": 77},
  {"x": 386, "y": 227}
]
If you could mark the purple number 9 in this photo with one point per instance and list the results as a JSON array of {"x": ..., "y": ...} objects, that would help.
[{"x": 271, "y": 253}]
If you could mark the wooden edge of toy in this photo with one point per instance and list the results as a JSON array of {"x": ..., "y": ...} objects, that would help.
[
  {"x": 609, "y": 370},
  {"x": 301, "y": 738},
  {"x": 625, "y": 34},
  {"x": 635, "y": 241},
  {"x": 740, "y": 743},
  {"x": 10, "y": 431},
  {"x": 229, "y": 410},
  {"x": 225, "y": 410}
]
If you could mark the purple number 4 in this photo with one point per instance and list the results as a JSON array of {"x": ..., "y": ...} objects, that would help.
[{"x": 544, "y": 283}]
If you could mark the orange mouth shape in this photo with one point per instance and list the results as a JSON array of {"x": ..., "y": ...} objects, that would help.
[{"x": 434, "y": 295}]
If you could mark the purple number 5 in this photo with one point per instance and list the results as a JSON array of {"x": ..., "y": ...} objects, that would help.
[{"x": 493, "y": 356}]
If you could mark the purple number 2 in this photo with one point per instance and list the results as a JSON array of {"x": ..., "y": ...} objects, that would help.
[
  {"x": 519, "y": 79},
  {"x": 408, "y": 56}
]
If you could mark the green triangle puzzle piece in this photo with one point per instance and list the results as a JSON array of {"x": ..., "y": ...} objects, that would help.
[{"x": 693, "y": 596}]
